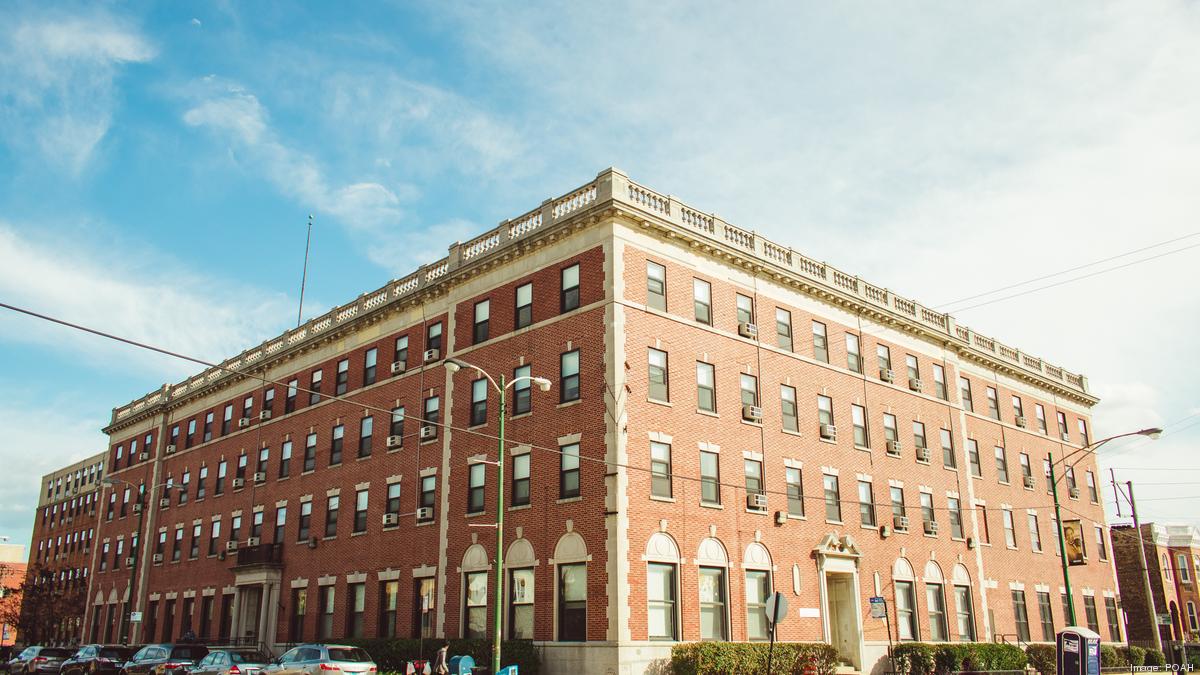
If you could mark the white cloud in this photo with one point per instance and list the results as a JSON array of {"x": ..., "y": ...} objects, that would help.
[
  {"x": 57, "y": 83},
  {"x": 162, "y": 304}
]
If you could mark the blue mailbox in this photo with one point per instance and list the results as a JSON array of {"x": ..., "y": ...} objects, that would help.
[
  {"x": 1078, "y": 651},
  {"x": 463, "y": 665},
  {"x": 508, "y": 670}
]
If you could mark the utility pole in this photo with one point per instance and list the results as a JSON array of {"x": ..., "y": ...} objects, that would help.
[
  {"x": 1062, "y": 544},
  {"x": 1145, "y": 569}
]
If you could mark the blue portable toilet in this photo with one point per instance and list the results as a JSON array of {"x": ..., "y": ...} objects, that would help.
[
  {"x": 508, "y": 670},
  {"x": 1078, "y": 651},
  {"x": 461, "y": 665}
]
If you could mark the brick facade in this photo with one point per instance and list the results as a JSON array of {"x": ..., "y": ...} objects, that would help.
[{"x": 1173, "y": 561}]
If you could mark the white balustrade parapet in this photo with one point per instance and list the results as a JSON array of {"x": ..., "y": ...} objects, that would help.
[{"x": 612, "y": 187}]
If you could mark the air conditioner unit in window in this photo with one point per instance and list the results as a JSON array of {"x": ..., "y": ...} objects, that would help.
[
  {"x": 432, "y": 355},
  {"x": 391, "y": 520},
  {"x": 931, "y": 527},
  {"x": 829, "y": 432},
  {"x": 894, "y": 448},
  {"x": 915, "y": 384},
  {"x": 748, "y": 330},
  {"x": 1066, "y": 436},
  {"x": 170, "y": 449},
  {"x": 164, "y": 502},
  {"x": 923, "y": 455},
  {"x": 264, "y": 415},
  {"x": 239, "y": 483},
  {"x": 900, "y": 523},
  {"x": 399, "y": 367},
  {"x": 143, "y": 456},
  {"x": 158, "y": 558},
  {"x": 231, "y": 546},
  {"x": 129, "y": 562},
  {"x": 887, "y": 375},
  {"x": 243, "y": 422},
  {"x": 252, "y": 541},
  {"x": 756, "y": 501},
  {"x": 428, "y": 431},
  {"x": 425, "y": 513},
  {"x": 394, "y": 441},
  {"x": 752, "y": 413},
  {"x": 260, "y": 476},
  {"x": 1020, "y": 421},
  {"x": 1074, "y": 492},
  {"x": 1029, "y": 482},
  {"x": 137, "y": 508}
]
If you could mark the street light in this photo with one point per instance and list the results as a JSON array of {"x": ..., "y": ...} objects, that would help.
[
  {"x": 1152, "y": 433},
  {"x": 453, "y": 366}
]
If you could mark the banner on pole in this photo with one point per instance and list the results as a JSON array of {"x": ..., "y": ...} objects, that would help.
[{"x": 1073, "y": 541}]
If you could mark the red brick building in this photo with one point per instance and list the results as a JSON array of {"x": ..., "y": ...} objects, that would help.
[
  {"x": 726, "y": 418},
  {"x": 12, "y": 574},
  {"x": 1173, "y": 560}
]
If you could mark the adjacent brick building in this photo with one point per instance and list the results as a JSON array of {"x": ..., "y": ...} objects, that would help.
[
  {"x": 12, "y": 574},
  {"x": 1173, "y": 560},
  {"x": 726, "y": 417}
]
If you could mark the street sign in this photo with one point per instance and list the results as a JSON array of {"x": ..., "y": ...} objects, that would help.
[
  {"x": 1164, "y": 619},
  {"x": 135, "y": 617},
  {"x": 777, "y": 608},
  {"x": 878, "y": 607}
]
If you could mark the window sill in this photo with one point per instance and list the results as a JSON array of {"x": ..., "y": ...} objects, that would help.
[
  {"x": 388, "y": 528},
  {"x": 475, "y": 514},
  {"x": 931, "y": 536},
  {"x": 792, "y": 516},
  {"x": 657, "y": 498},
  {"x": 828, "y": 440},
  {"x": 568, "y": 500},
  {"x": 310, "y": 471},
  {"x": 362, "y": 458},
  {"x": 873, "y": 528},
  {"x": 520, "y": 415},
  {"x": 1011, "y": 548},
  {"x": 752, "y": 423},
  {"x": 424, "y": 523},
  {"x": 329, "y": 537},
  {"x": 710, "y": 505},
  {"x": 791, "y": 432},
  {"x": 864, "y": 448},
  {"x": 921, "y": 461},
  {"x": 656, "y": 401},
  {"x": 568, "y": 404},
  {"x": 391, "y": 450},
  {"x": 709, "y": 413},
  {"x": 833, "y": 522},
  {"x": 357, "y": 534},
  {"x": 429, "y": 442},
  {"x": 757, "y": 512},
  {"x": 473, "y": 427},
  {"x": 520, "y": 507}
]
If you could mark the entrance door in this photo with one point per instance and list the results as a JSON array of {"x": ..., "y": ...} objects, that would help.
[
  {"x": 249, "y": 604},
  {"x": 844, "y": 630}
]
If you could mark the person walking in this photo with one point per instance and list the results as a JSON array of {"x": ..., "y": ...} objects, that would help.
[{"x": 441, "y": 661}]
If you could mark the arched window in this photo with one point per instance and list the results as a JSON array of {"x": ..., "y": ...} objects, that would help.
[
  {"x": 475, "y": 569},
  {"x": 906, "y": 600},
  {"x": 570, "y": 561},
  {"x": 757, "y": 564},
  {"x": 662, "y": 582},
  {"x": 713, "y": 582},
  {"x": 519, "y": 562},
  {"x": 935, "y": 602},
  {"x": 964, "y": 606}
]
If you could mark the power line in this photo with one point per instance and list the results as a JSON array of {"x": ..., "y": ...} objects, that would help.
[{"x": 1066, "y": 271}]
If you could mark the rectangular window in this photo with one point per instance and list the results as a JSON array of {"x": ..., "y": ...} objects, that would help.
[
  {"x": 1114, "y": 620},
  {"x": 1020, "y": 615},
  {"x": 432, "y": 407},
  {"x": 1035, "y": 534},
  {"x": 914, "y": 370},
  {"x": 285, "y": 459},
  {"x": 1102, "y": 551},
  {"x": 570, "y": 288},
  {"x": 935, "y": 602},
  {"x": 337, "y": 437},
  {"x": 928, "y": 515},
  {"x": 884, "y": 355},
  {"x": 858, "y": 416},
  {"x": 280, "y": 524},
  {"x": 222, "y": 468},
  {"x": 247, "y": 412},
  {"x": 660, "y": 594},
  {"x": 906, "y": 615},
  {"x": 795, "y": 491},
  {"x": 1062, "y": 426},
  {"x": 939, "y": 382},
  {"x": 899, "y": 510},
  {"x": 522, "y": 391},
  {"x": 177, "y": 546},
  {"x": 824, "y": 410},
  {"x": 965, "y": 610},
  {"x": 332, "y": 505},
  {"x": 702, "y": 301},
  {"x": 1083, "y": 435},
  {"x": 749, "y": 384},
  {"x": 433, "y": 336},
  {"x": 659, "y": 382},
  {"x": 475, "y": 605},
  {"x": 993, "y": 403},
  {"x": 660, "y": 469},
  {"x": 479, "y": 329},
  {"x": 889, "y": 427},
  {"x": 370, "y": 364},
  {"x": 568, "y": 471},
  {"x": 1010, "y": 535},
  {"x": 194, "y": 544},
  {"x": 1001, "y": 465},
  {"x": 479, "y": 395},
  {"x": 366, "y": 432},
  {"x": 520, "y": 480},
  {"x": 524, "y": 306},
  {"x": 948, "y": 459},
  {"x": 1091, "y": 487},
  {"x": 983, "y": 524},
  {"x": 853, "y": 353},
  {"x": 310, "y": 453},
  {"x": 520, "y": 604},
  {"x": 745, "y": 308},
  {"x": 1018, "y": 408},
  {"x": 833, "y": 499},
  {"x": 1046, "y": 615},
  {"x": 710, "y": 477},
  {"x": 226, "y": 426},
  {"x": 475, "y": 487},
  {"x": 919, "y": 435},
  {"x": 758, "y": 589},
  {"x": 214, "y": 537},
  {"x": 866, "y": 503},
  {"x": 820, "y": 342},
  {"x": 787, "y": 400},
  {"x": 361, "y": 499},
  {"x": 207, "y": 436},
  {"x": 341, "y": 379},
  {"x": 1040, "y": 413},
  {"x": 428, "y": 498},
  {"x": 191, "y": 433},
  {"x": 389, "y": 597},
  {"x": 393, "y": 499},
  {"x": 656, "y": 286},
  {"x": 401, "y": 353},
  {"x": 569, "y": 376},
  {"x": 1089, "y": 610},
  {"x": 314, "y": 388},
  {"x": 973, "y": 458},
  {"x": 964, "y": 390},
  {"x": 955, "y": 512},
  {"x": 783, "y": 329},
  {"x": 572, "y": 602},
  {"x": 706, "y": 387},
  {"x": 754, "y": 476},
  {"x": 1026, "y": 468},
  {"x": 712, "y": 604},
  {"x": 325, "y": 616},
  {"x": 289, "y": 400}
]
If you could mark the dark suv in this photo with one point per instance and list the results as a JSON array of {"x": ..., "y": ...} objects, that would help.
[
  {"x": 37, "y": 660},
  {"x": 164, "y": 659},
  {"x": 97, "y": 660}
]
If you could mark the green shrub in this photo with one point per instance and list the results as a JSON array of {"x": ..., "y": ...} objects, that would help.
[
  {"x": 1043, "y": 658},
  {"x": 1111, "y": 657},
  {"x": 1135, "y": 656},
  {"x": 391, "y": 654},
  {"x": 1155, "y": 657},
  {"x": 917, "y": 658},
  {"x": 738, "y": 658},
  {"x": 994, "y": 656},
  {"x": 914, "y": 658}
]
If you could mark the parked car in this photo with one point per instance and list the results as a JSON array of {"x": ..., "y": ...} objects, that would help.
[
  {"x": 37, "y": 660},
  {"x": 232, "y": 661},
  {"x": 315, "y": 659},
  {"x": 97, "y": 660},
  {"x": 164, "y": 659}
]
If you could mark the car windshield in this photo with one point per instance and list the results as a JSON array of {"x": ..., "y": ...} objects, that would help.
[
  {"x": 55, "y": 652},
  {"x": 115, "y": 652},
  {"x": 347, "y": 654},
  {"x": 193, "y": 652},
  {"x": 248, "y": 657}
]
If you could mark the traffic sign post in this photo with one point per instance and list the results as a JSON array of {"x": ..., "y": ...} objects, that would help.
[
  {"x": 776, "y": 609},
  {"x": 879, "y": 611}
]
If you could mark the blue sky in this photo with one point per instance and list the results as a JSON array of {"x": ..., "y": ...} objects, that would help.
[{"x": 158, "y": 163}]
